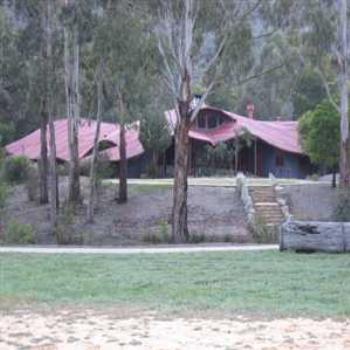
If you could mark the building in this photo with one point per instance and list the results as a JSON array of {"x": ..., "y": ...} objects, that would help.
[
  {"x": 30, "y": 146},
  {"x": 273, "y": 148}
]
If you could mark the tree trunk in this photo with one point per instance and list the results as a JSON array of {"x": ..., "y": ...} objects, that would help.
[
  {"x": 344, "y": 161},
  {"x": 93, "y": 176},
  {"x": 123, "y": 167},
  {"x": 44, "y": 162},
  {"x": 334, "y": 178},
  {"x": 54, "y": 197},
  {"x": 71, "y": 65},
  {"x": 179, "y": 215},
  {"x": 155, "y": 164},
  {"x": 236, "y": 155}
]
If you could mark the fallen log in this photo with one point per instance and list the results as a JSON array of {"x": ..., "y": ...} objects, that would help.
[{"x": 313, "y": 236}]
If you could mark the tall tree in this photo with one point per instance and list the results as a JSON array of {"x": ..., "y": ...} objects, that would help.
[
  {"x": 44, "y": 160},
  {"x": 72, "y": 89},
  {"x": 320, "y": 31},
  {"x": 344, "y": 163},
  {"x": 54, "y": 195},
  {"x": 93, "y": 170},
  {"x": 124, "y": 40},
  {"x": 192, "y": 50}
]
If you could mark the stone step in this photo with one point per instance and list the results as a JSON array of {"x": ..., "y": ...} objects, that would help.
[
  {"x": 269, "y": 215},
  {"x": 264, "y": 198},
  {"x": 262, "y": 192},
  {"x": 268, "y": 209},
  {"x": 267, "y": 204}
]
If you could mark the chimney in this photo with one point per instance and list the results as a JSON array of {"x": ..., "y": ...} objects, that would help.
[
  {"x": 250, "y": 109},
  {"x": 195, "y": 100}
]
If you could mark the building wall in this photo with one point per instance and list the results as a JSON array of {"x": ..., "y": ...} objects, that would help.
[{"x": 294, "y": 165}]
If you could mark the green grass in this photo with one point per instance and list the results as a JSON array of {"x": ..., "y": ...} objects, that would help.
[{"x": 268, "y": 283}]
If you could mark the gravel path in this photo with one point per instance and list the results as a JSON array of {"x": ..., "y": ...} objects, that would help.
[
  {"x": 69, "y": 329},
  {"x": 139, "y": 250}
]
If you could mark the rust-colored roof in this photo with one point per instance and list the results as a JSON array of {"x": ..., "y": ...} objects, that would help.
[
  {"x": 29, "y": 145},
  {"x": 283, "y": 135}
]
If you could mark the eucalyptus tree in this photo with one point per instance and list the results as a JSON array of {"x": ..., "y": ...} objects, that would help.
[
  {"x": 70, "y": 20},
  {"x": 319, "y": 31},
  {"x": 124, "y": 42},
  {"x": 193, "y": 39},
  {"x": 154, "y": 130}
]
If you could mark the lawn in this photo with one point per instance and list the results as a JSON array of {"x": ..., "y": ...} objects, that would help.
[{"x": 267, "y": 283}]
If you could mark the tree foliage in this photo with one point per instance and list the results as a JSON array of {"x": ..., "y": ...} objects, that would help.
[{"x": 320, "y": 133}]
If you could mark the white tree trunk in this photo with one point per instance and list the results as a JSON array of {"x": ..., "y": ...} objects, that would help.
[
  {"x": 92, "y": 196},
  {"x": 344, "y": 165},
  {"x": 54, "y": 196},
  {"x": 71, "y": 65}
]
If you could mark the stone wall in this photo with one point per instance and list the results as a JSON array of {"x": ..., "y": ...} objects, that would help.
[{"x": 242, "y": 188}]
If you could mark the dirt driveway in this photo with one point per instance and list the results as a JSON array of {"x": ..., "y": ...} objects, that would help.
[{"x": 125, "y": 329}]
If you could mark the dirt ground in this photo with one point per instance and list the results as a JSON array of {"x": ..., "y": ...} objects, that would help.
[
  {"x": 124, "y": 329},
  {"x": 312, "y": 202},
  {"x": 215, "y": 212}
]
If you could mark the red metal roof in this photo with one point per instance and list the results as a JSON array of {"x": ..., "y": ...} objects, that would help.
[
  {"x": 283, "y": 135},
  {"x": 29, "y": 145}
]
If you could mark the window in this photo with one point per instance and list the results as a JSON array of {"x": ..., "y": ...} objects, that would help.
[
  {"x": 201, "y": 121},
  {"x": 212, "y": 122},
  {"x": 279, "y": 159}
]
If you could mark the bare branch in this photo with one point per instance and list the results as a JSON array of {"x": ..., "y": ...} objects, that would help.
[
  {"x": 264, "y": 35},
  {"x": 327, "y": 88},
  {"x": 256, "y": 76},
  {"x": 200, "y": 103}
]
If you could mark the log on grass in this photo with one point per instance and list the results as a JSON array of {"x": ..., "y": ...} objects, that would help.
[{"x": 313, "y": 236}]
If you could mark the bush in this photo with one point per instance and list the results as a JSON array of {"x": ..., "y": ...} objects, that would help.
[
  {"x": 197, "y": 238},
  {"x": 342, "y": 209},
  {"x": 66, "y": 231},
  {"x": 160, "y": 236},
  {"x": 263, "y": 233},
  {"x": 4, "y": 192},
  {"x": 33, "y": 183},
  {"x": 17, "y": 233},
  {"x": 105, "y": 169},
  {"x": 63, "y": 169},
  {"x": 15, "y": 169}
]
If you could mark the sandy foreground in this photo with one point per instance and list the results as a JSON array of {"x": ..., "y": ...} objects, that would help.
[{"x": 93, "y": 329}]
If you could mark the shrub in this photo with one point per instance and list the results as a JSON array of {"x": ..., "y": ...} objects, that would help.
[
  {"x": 105, "y": 169},
  {"x": 263, "y": 233},
  {"x": 32, "y": 183},
  {"x": 66, "y": 231},
  {"x": 17, "y": 233},
  {"x": 4, "y": 192},
  {"x": 15, "y": 169},
  {"x": 342, "y": 209},
  {"x": 63, "y": 169},
  {"x": 197, "y": 238},
  {"x": 160, "y": 236}
]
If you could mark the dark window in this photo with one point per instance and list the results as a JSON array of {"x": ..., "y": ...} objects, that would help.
[
  {"x": 212, "y": 122},
  {"x": 201, "y": 121},
  {"x": 221, "y": 119},
  {"x": 279, "y": 159}
]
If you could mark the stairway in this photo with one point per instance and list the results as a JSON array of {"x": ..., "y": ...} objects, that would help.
[{"x": 266, "y": 206}]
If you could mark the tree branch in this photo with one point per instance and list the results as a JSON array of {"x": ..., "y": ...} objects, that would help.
[
  {"x": 327, "y": 88},
  {"x": 201, "y": 101},
  {"x": 258, "y": 75}
]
